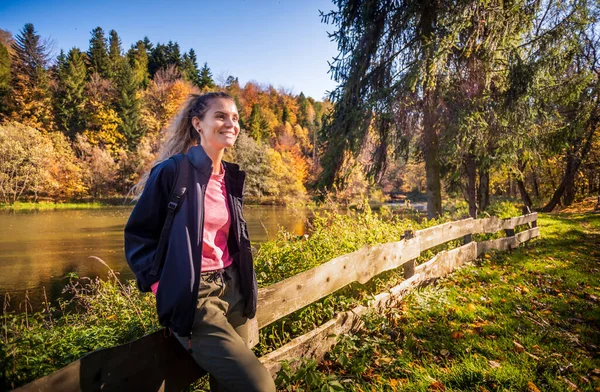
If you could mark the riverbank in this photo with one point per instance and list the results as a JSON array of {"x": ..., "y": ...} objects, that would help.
[
  {"x": 48, "y": 206},
  {"x": 527, "y": 320}
]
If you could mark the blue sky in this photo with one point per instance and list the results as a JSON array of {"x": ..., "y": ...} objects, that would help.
[{"x": 282, "y": 43}]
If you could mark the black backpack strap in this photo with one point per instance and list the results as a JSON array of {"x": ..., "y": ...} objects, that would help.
[{"x": 175, "y": 200}]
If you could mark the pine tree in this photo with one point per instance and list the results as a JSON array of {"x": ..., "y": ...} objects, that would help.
[
  {"x": 138, "y": 60},
  {"x": 31, "y": 99},
  {"x": 158, "y": 59},
  {"x": 4, "y": 80},
  {"x": 174, "y": 54},
  {"x": 70, "y": 98},
  {"x": 189, "y": 68},
  {"x": 98, "y": 60},
  {"x": 206, "y": 80},
  {"x": 115, "y": 57},
  {"x": 128, "y": 106}
]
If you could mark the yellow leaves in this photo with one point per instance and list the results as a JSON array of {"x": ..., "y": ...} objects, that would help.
[
  {"x": 383, "y": 361},
  {"x": 437, "y": 386},
  {"x": 457, "y": 335},
  {"x": 471, "y": 307},
  {"x": 531, "y": 387}
]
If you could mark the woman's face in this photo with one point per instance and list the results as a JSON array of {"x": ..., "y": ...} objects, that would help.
[{"x": 220, "y": 126}]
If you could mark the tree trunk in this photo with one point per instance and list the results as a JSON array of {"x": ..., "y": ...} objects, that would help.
[
  {"x": 570, "y": 191},
  {"x": 484, "y": 189},
  {"x": 430, "y": 137},
  {"x": 471, "y": 186},
  {"x": 536, "y": 185},
  {"x": 432, "y": 165},
  {"x": 574, "y": 160},
  {"x": 521, "y": 184}
]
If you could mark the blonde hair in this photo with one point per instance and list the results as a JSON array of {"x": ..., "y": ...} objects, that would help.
[{"x": 181, "y": 134}]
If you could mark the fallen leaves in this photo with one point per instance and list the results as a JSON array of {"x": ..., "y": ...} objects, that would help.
[
  {"x": 518, "y": 347},
  {"x": 531, "y": 387},
  {"x": 494, "y": 364},
  {"x": 457, "y": 335}
]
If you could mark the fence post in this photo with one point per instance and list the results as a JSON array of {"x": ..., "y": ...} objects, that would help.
[
  {"x": 409, "y": 266},
  {"x": 527, "y": 211}
]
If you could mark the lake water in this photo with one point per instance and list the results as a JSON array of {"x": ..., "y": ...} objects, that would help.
[{"x": 38, "y": 249}]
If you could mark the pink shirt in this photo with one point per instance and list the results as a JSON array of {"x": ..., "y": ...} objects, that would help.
[{"x": 217, "y": 221}]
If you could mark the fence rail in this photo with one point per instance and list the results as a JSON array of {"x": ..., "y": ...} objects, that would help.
[{"x": 158, "y": 362}]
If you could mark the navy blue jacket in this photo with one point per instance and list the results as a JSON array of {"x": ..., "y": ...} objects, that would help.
[{"x": 179, "y": 276}]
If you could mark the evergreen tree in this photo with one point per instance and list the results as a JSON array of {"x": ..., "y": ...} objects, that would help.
[
  {"x": 138, "y": 61},
  {"x": 189, "y": 68},
  {"x": 206, "y": 80},
  {"x": 147, "y": 44},
  {"x": 256, "y": 124},
  {"x": 4, "y": 80},
  {"x": 174, "y": 54},
  {"x": 158, "y": 59},
  {"x": 31, "y": 99},
  {"x": 70, "y": 97},
  {"x": 391, "y": 60},
  {"x": 98, "y": 59},
  {"x": 115, "y": 57},
  {"x": 128, "y": 106}
]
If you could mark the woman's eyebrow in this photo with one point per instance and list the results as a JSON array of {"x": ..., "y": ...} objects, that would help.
[{"x": 222, "y": 112}]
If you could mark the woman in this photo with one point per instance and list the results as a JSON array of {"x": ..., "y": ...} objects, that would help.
[{"x": 206, "y": 287}]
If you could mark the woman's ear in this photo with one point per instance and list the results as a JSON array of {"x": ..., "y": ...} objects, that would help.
[{"x": 196, "y": 123}]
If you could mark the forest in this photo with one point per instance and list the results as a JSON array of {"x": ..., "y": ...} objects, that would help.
[
  {"x": 88, "y": 124},
  {"x": 434, "y": 100}
]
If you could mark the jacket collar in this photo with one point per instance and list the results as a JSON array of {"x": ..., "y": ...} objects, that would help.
[{"x": 202, "y": 162}]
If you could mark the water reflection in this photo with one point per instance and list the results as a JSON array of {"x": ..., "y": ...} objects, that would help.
[{"x": 37, "y": 249}]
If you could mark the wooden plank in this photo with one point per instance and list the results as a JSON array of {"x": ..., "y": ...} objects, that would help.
[
  {"x": 155, "y": 362},
  {"x": 508, "y": 243},
  {"x": 520, "y": 220},
  {"x": 289, "y": 295},
  {"x": 494, "y": 224},
  {"x": 319, "y": 341},
  {"x": 440, "y": 234},
  {"x": 447, "y": 261},
  {"x": 315, "y": 343},
  {"x": 526, "y": 235}
]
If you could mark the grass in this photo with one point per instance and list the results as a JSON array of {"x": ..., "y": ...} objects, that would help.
[
  {"x": 48, "y": 205},
  {"x": 522, "y": 321}
]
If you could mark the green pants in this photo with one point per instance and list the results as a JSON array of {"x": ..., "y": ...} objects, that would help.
[{"x": 219, "y": 337}]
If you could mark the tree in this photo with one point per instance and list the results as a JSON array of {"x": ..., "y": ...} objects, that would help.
[
  {"x": 206, "y": 80},
  {"x": 98, "y": 58},
  {"x": 5, "y": 80},
  {"x": 70, "y": 98},
  {"x": 128, "y": 106},
  {"x": 31, "y": 99},
  {"x": 138, "y": 61},
  {"x": 158, "y": 59},
  {"x": 189, "y": 68},
  {"x": 391, "y": 56},
  {"x": 24, "y": 156},
  {"x": 174, "y": 54},
  {"x": 115, "y": 57}
]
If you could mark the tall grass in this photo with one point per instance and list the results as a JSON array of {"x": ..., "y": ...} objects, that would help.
[{"x": 106, "y": 312}]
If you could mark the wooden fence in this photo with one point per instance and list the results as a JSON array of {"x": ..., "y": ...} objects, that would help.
[{"x": 157, "y": 362}]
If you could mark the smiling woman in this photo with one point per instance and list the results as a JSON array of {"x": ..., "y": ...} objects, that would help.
[
  {"x": 205, "y": 284},
  {"x": 218, "y": 129}
]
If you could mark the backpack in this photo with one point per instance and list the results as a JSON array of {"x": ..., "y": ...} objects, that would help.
[{"x": 175, "y": 199}]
